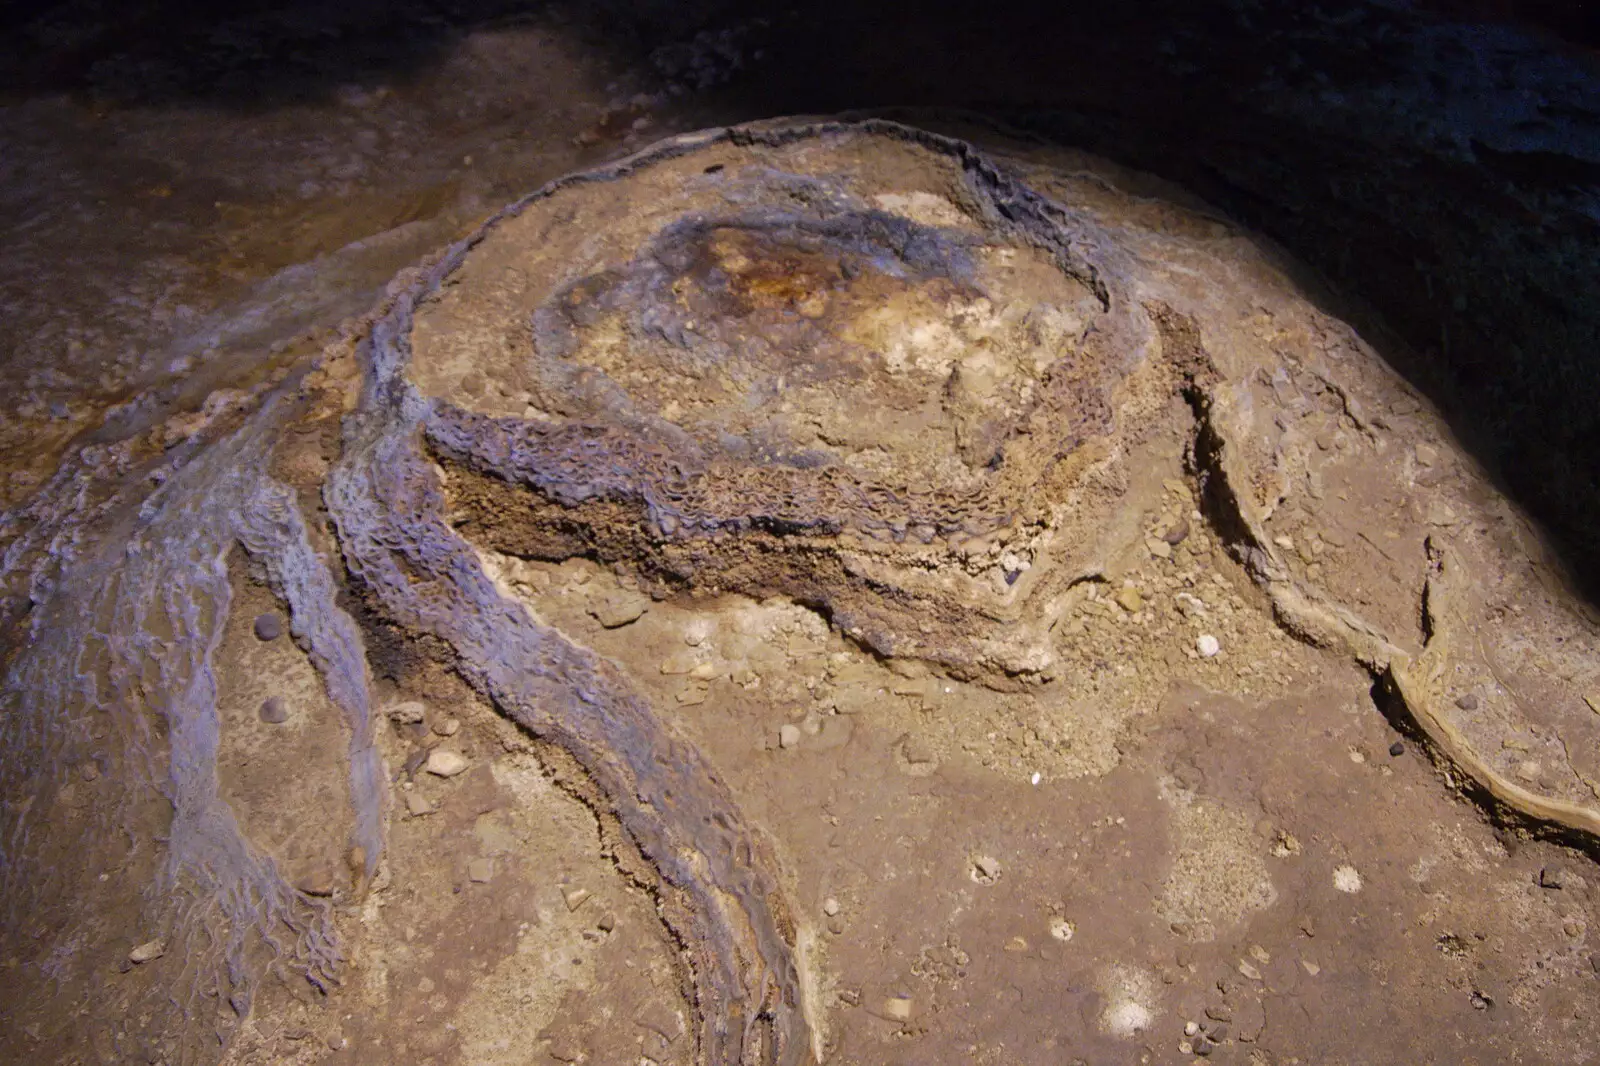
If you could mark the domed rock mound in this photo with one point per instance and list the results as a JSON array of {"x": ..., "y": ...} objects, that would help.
[{"x": 1042, "y": 527}]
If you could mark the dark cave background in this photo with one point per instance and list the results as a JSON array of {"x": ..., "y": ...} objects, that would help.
[{"x": 1436, "y": 165}]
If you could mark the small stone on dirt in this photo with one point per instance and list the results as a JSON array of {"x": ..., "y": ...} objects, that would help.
[
  {"x": 481, "y": 870},
  {"x": 1207, "y": 645},
  {"x": 788, "y": 735},
  {"x": 149, "y": 951},
  {"x": 1347, "y": 879},
  {"x": 447, "y": 728},
  {"x": 985, "y": 869},
  {"x": 680, "y": 662},
  {"x": 318, "y": 881},
  {"x": 830, "y": 906},
  {"x": 1130, "y": 599},
  {"x": 897, "y": 1008},
  {"x": 1177, "y": 532},
  {"x": 417, "y": 804},
  {"x": 620, "y": 609},
  {"x": 1468, "y": 702},
  {"x": 1397, "y": 749},
  {"x": 575, "y": 897},
  {"x": 1552, "y": 877},
  {"x": 407, "y": 713},
  {"x": 917, "y": 750},
  {"x": 268, "y": 626},
  {"x": 273, "y": 711},
  {"x": 444, "y": 763}
]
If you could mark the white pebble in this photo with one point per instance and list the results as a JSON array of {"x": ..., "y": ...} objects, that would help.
[
  {"x": 1208, "y": 645},
  {"x": 1346, "y": 879},
  {"x": 897, "y": 1008},
  {"x": 443, "y": 763}
]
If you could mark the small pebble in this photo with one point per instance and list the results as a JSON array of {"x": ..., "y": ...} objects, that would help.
[
  {"x": 449, "y": 727},
  {"x": 318, "y": 881},
  {"x": 1208, "y": 646},
  {"x": 408, "y": 713},
  {"x": 620, "y": 609},
  {"x": 1468, "y": 702},
  {"x": 575, "y": 897},
  {"x": 148, "y": 951},
  {"x": 417, "y": 804},
  {"x": 1190, "y": 1028},
  {"x": 1130, "y": 599},
  {"x": 830, "y": 906},
  {"x": 268, "y": 626},
  {"x": 443, "y": 763},
  {"x": 897, "y": 1008},
  {"x": 273, "y": 711},
  {"x": 788, "y": 735},
  {"x": 985, "y": 868},
  {"x": 1397, "y": 749},
  {"x": 1347, "y": 879},
  {"x": 917, "y": 750},
  {"x": 1177, "y": 532},
  {"x": 481, "y": 870}
]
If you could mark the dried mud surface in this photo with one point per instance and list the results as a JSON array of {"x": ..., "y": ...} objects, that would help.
[{"x": 809, "y": 591}]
